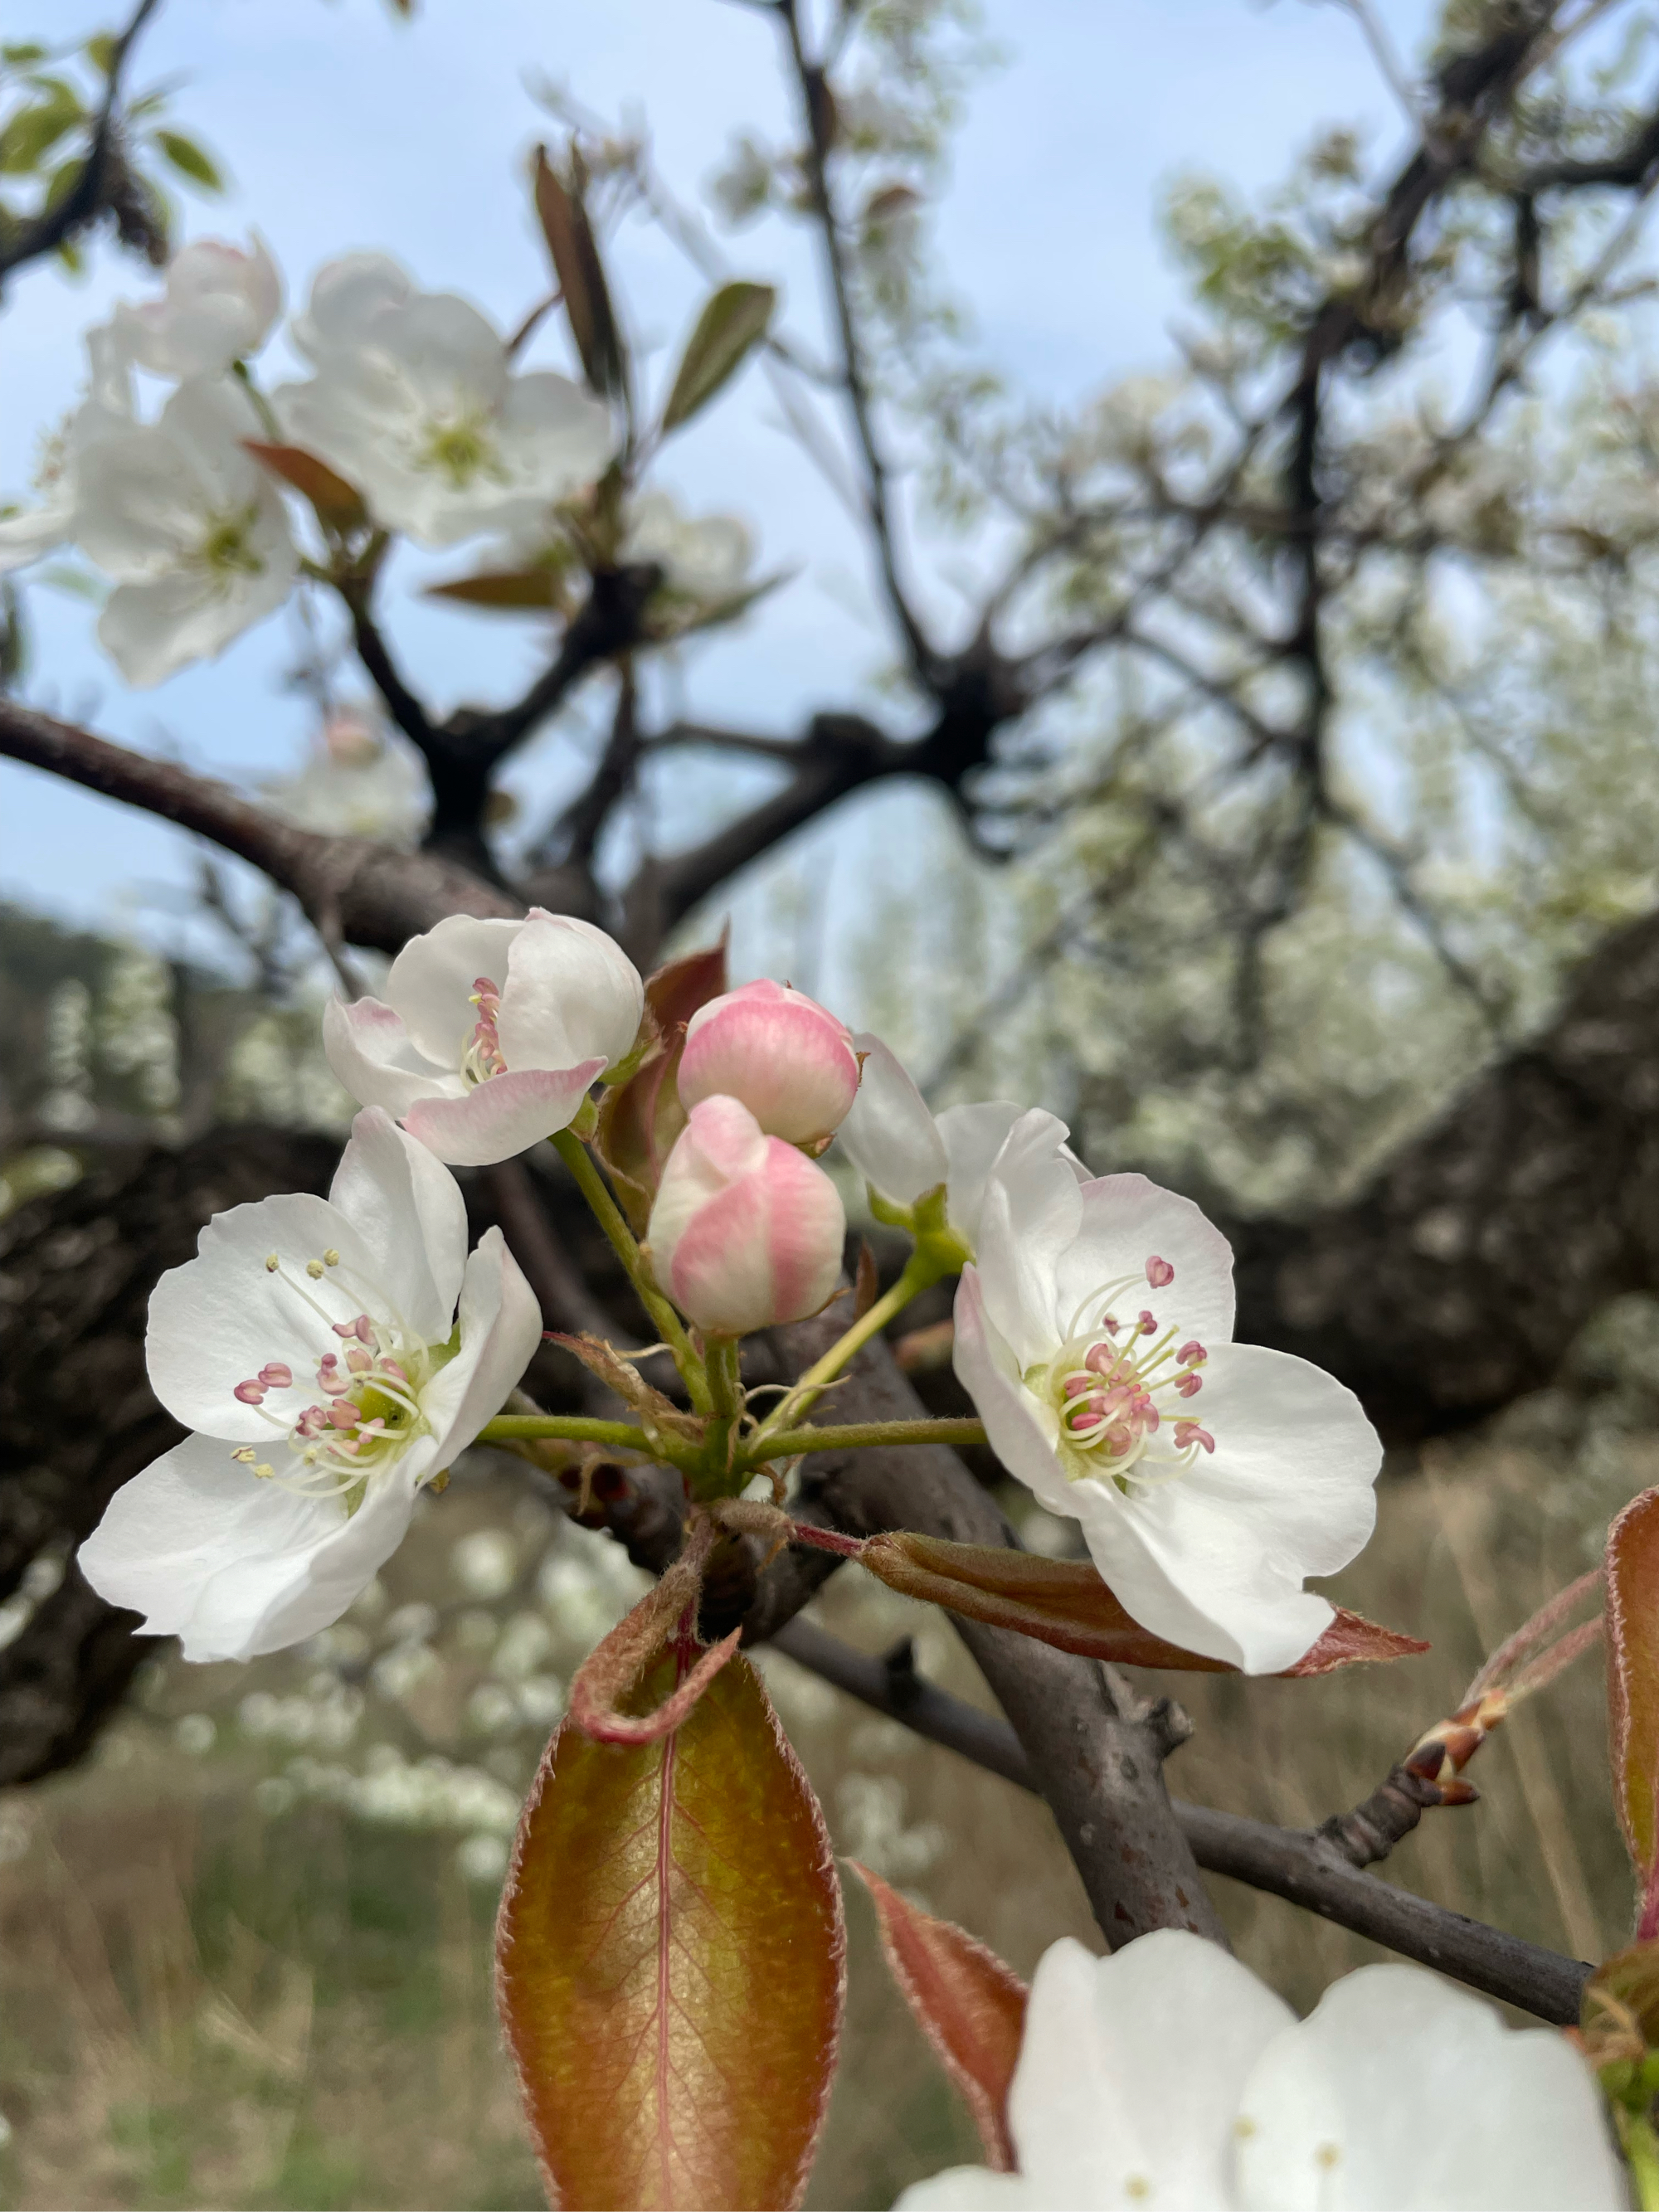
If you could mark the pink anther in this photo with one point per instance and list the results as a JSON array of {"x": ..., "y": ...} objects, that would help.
[
  {"x": 1192, "y": 1353},
  {"x": 1190, "y": 1386},
  {"x": 1101, "y": 1358},
  {"x": 1159, "y": 1273},
  {"x": 365, "y": 1329},
  {"x": 358, "y": 1360},
  {"x": 344, "y": 1414},
  {"x": 276, "y": 1375},
  {"x": 390, "y": 1367},
  {"x": 1148, "y": 1326},
  {"x": 1188, "y": 1433},
  {"x": 1075, "y": 1385},
  {"x": 251, "y": 1393},
  {"x": 312, "y": 1422},
  {"x": 1111, "y": 1323}
]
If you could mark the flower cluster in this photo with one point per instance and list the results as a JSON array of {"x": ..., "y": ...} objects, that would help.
[
  {"x": 414, "y": 401},
  {"x": 315, "y": 1351},
  {"x": 1168, "y": 2075}
]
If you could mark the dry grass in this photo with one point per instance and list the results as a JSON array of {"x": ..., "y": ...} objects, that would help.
[{"x": 204, "y": 2003}]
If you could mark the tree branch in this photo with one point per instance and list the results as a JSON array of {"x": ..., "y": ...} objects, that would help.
[
  {"x": 1289, "y": 1862},
  {"x": 104, "y": 180}
]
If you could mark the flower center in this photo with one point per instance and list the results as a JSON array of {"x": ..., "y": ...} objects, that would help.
[
  {"x": 225, "y": 552},
  {"x": 460, "y": 450},
  {"x": 367, "y": 1410},
  {"x": 1114, "y": 1384},
  {"x": 482, "y": 1056}
]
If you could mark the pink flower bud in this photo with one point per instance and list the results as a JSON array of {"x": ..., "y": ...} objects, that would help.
[
  {"x": 779, "y": 1053},
  {"x": 746, "y": 1231}
]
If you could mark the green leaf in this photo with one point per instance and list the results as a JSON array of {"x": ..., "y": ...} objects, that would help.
[
  {"x": 733, "y": 322},
  {"x": 20, "y": 52},
  {"x": 63, "y": 179},
  {"x": 576, "y": 262},
  {"x": 1065, "y": 1602},
  {"x": 1632, "y": 1629},
  {"x": 669, "y": 1950},
  {"x": 101, "y": 51},
  {"x": 969, "y": 2005},
  {"x": 187, "y": 157},
  {"x": 33, "y": 132}
]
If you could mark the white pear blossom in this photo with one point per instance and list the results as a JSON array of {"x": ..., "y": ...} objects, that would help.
[
  {"x": 703, "y": 556},
  {"x": 1208, "y": 1477},
  {"x": 313, "y": 1346},
  {"x": 218, "y": 307},
  {"x": 415, "y": 402},
  {"x": 190, "y": 528},
  {"x": 106, "y": 410},
  {"x": 490, "y": 1033},
  {"x": 1168, "y": 2077},
  {"x": 359, "y": 781},
  {"x": 903, "y": 1151}
]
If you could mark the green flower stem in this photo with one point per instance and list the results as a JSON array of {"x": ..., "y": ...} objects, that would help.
[
  {"x": 672, "y": 1329},
  {"x": 858, "y": 1436},
  {"x": 570, "y": 1428},
  {"x": 1641, "y": 2149},
  {"x": 724, "y": 1362},
  {"x": 921, "y": 1271}
]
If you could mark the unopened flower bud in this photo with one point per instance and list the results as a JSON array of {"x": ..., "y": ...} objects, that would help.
[
  {"x": 787, "y": 1059},
  {"x": 746, "y": 1232}
]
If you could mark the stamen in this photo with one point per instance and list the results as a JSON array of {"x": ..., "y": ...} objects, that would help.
[
  {"x": 272, "y": 1263},
  {"x": 276, "y": 1375},
  {"x": 1192, "y": 1353},
  {"x": 1159, "y": 1273},
  {"x": 250, "y": 1393},
  {"x": 1188, "y": 1433},
  {"x": 1190, "y": 1385}
]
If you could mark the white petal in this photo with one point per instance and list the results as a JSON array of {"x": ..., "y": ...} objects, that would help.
[
  {"x": 348, "y": 298},
  {"x": 408, "y": 1211},
  {"x": 557, "y": 436},
  {"x": 376, "y": 1059},
  {"x": 974, "y": 1135},
  {"x": 223, "y": 1315},
  {"x": 500, "y": 1328},
  {"x": 1130, "y": 2070},
  {"x": 1214, "y": 1559},
  {"x": 431, "y": 981},
  {"x": 1127, "y": 1221},
  {"x": 504, "y": 1116},
  {"x": 152, "y": 629},
  {"x": 971, "y": 2189},
  {"x": 888, "y": 1133},
  {"x": 570, "y": 994},
  {"x": 235, "y": 1565},
  {"x": 448, "y": 352},
  {"x": 1030, "y": 1215},
  {"x": 1426, "y": 2099},
  {"x": 25, "y": 538}
]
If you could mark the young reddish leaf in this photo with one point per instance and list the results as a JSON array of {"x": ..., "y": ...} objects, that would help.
[
  {"x": 679, "y": 987},
  {"x": 581, "y": 278},
  {"x": 1632, "y": 1626},
  {"x": 513, "y": 590},
  {"x": 970, "y": 2007},
  {"x": 339, "y": 505},
  {"x": 1066, "y": 1603},
  {"x": 615, "y": 1667},
  {"x": 671, "y": 1961},
  {"x": 640, "y": 1119}
]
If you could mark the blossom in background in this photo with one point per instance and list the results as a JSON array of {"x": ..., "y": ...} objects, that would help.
[
  {"x": 359, "y": 781},
  {"x": 106, "y": 410},
  {"x": 746, "y": 1231},
  {"x": 218, "y": 307},
  {"x": 703, "y": 556},
  {"x": 903, "y": 1151},
  {"x": 490, "y": 1032},
  {"x": 789, "y": 1059},
  {"x": 1168, "y": 2076},
  {"x": 190, "y": 527},
  {"x": 414, "y": 402},
  {"x": 315, "y": 1348},
  {"x": 1208, "y": 1477}
]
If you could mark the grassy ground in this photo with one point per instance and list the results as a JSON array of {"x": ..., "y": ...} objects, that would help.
[{"x": 244, "y": 1955}]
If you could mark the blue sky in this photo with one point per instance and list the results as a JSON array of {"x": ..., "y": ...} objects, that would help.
[{"x": 342, "y": 129}]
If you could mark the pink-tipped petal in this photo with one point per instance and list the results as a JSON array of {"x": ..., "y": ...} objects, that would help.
[{"x": 502, "y": 1117}]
